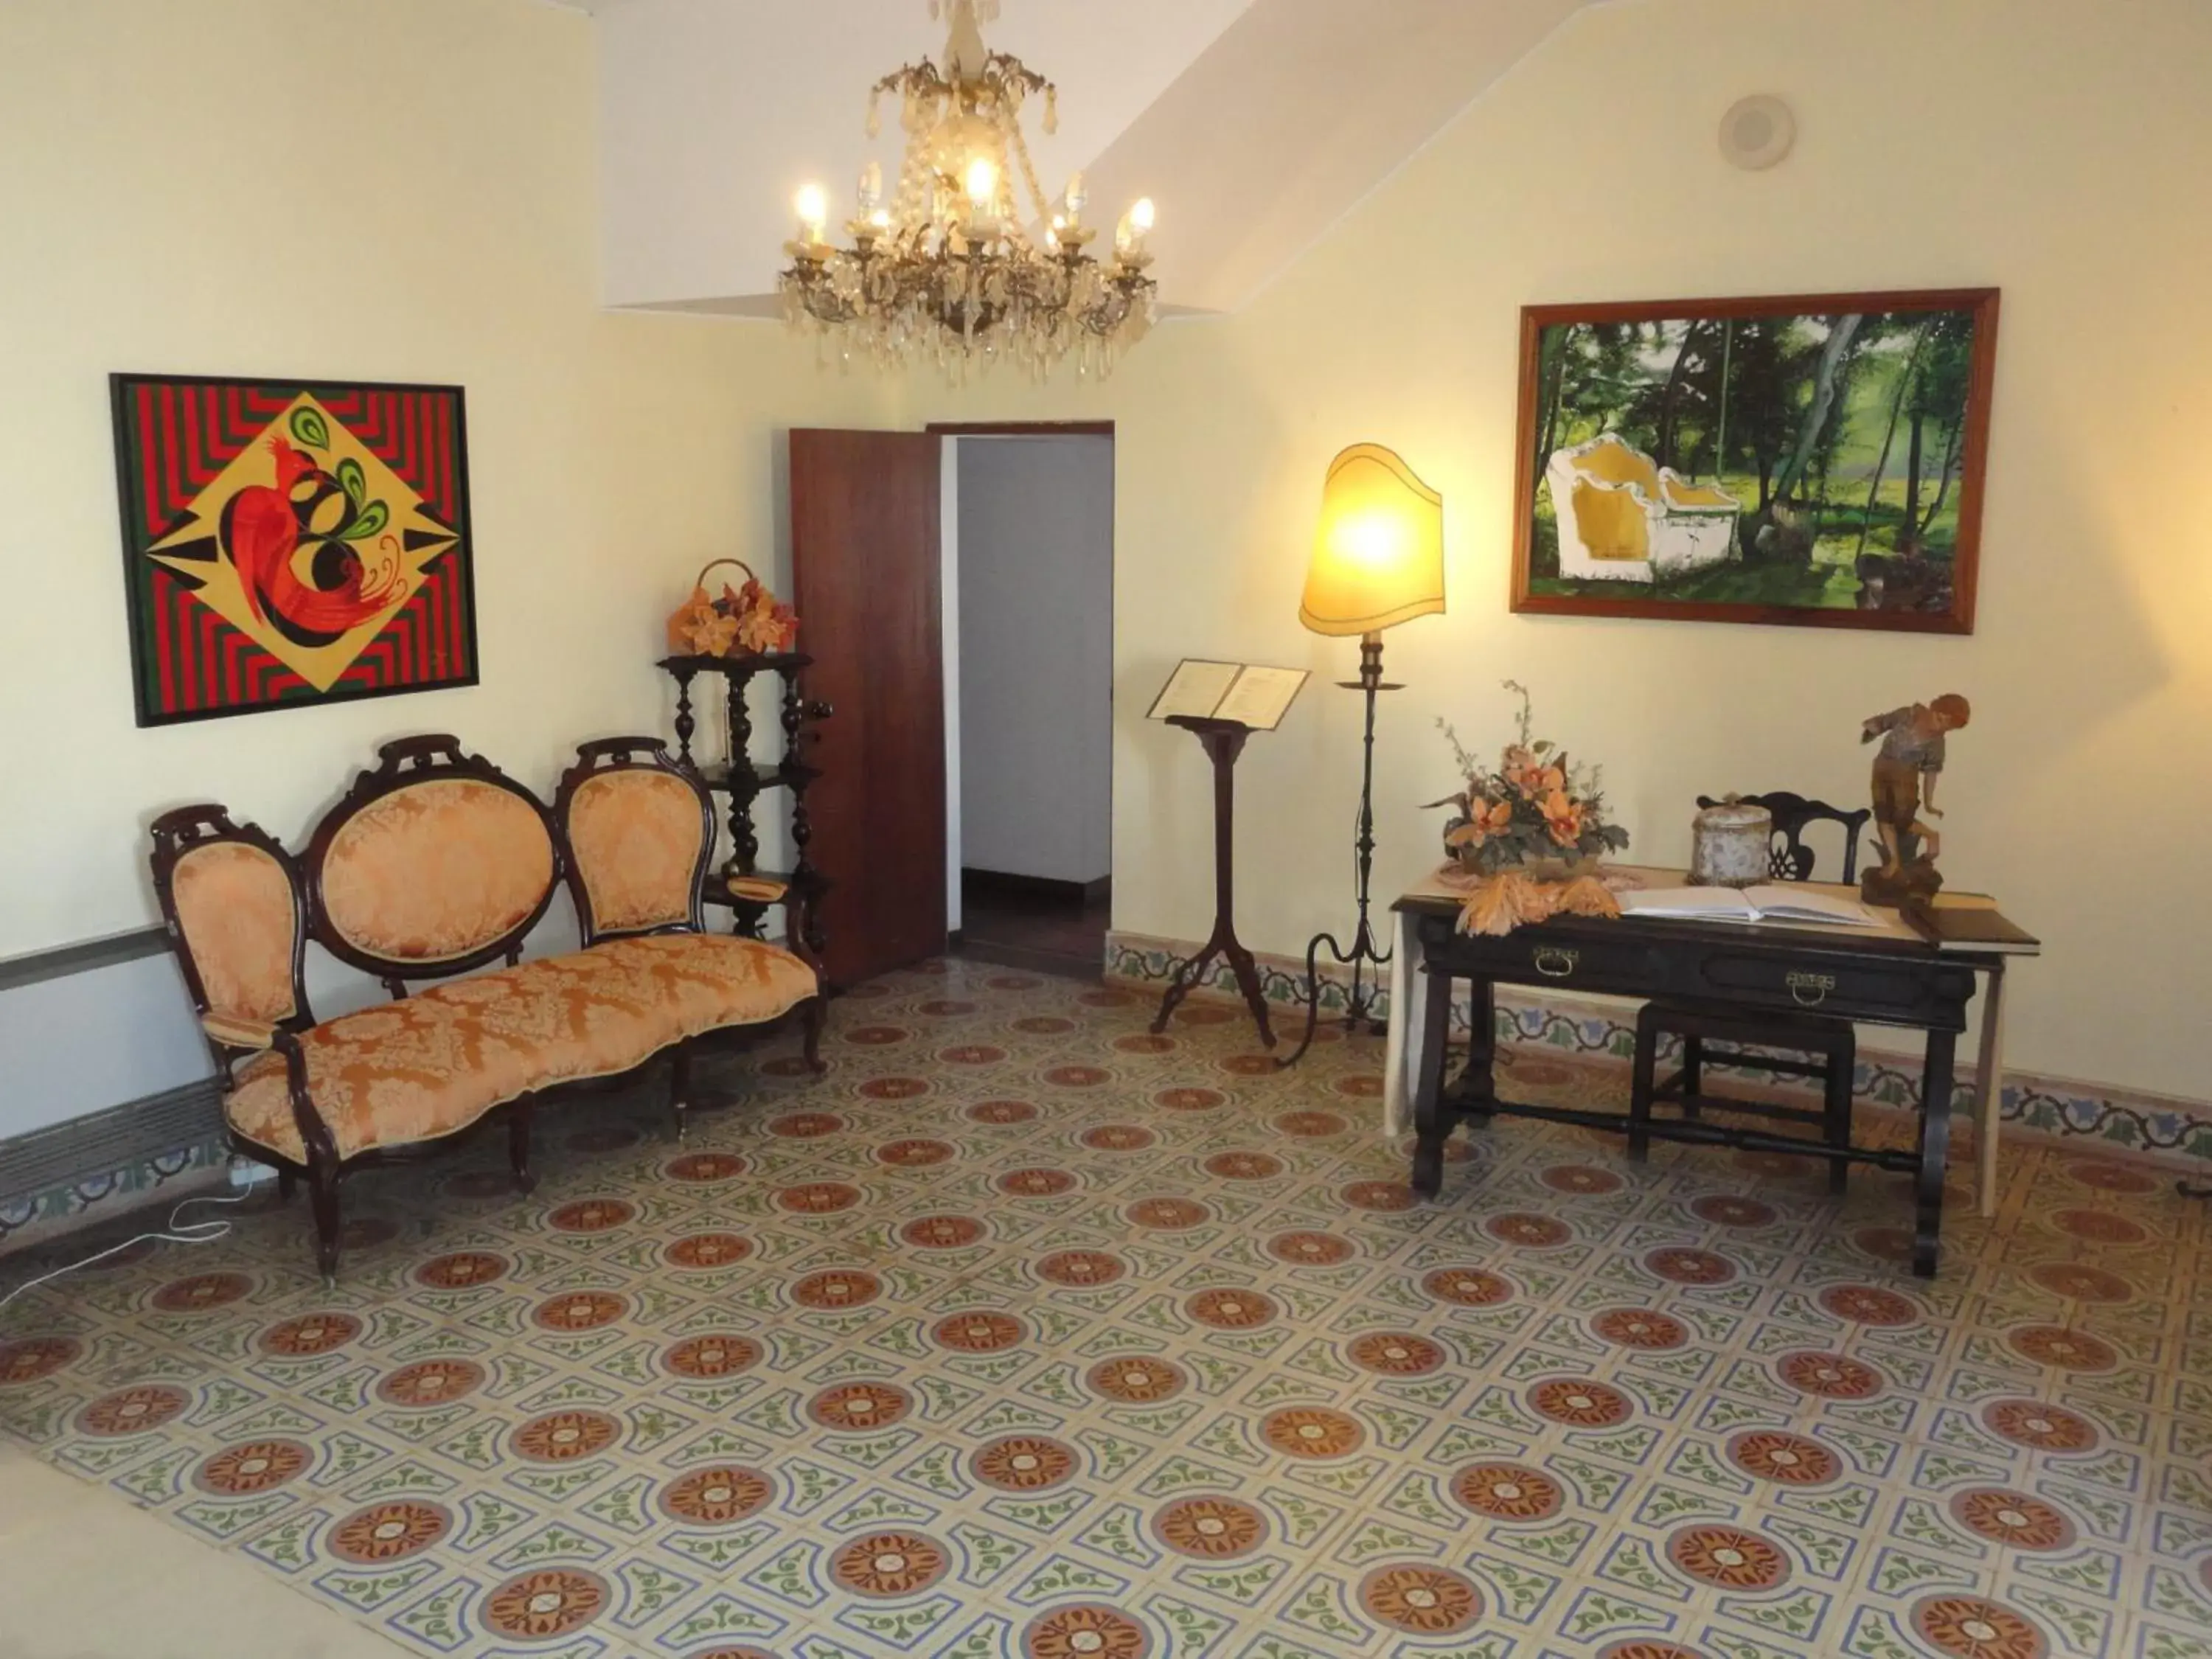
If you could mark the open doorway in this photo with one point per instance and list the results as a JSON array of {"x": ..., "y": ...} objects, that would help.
[{"x": 1027, "y": 590}]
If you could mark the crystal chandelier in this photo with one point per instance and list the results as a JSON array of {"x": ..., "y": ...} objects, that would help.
[{"x": 947, "y": 270}]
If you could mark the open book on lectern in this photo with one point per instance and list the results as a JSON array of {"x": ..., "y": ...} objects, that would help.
[{"x": 1247, "y": 693}]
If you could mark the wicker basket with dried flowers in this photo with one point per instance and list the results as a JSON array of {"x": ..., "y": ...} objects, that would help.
[{"x": 744, "y": 622}]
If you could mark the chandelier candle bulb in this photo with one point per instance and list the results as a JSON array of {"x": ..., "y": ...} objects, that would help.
[
  {"x": 1136, "y": 225},
  {"x": 814, "y": 207}
]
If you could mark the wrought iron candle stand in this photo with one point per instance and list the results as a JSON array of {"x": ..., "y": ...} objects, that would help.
[{"x": 1360, "y": 1001}]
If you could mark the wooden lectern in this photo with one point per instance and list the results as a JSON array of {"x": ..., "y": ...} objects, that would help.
[
  {"x": 1224, "y": 741},
  {"x": 1224, "y": 703}
]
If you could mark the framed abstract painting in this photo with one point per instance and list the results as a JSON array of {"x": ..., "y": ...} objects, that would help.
[
  {"x": 1813, "y": 459},
  {"x": 292, "y": 543}
]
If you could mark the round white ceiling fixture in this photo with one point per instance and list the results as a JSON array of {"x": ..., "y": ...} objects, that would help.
[{"x": 1757, "y": 132}]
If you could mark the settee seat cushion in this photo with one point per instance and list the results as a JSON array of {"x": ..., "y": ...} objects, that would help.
[{"x": 431, "y": 1064}]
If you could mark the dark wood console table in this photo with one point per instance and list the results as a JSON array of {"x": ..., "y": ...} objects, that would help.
[{"x": 1882, "y": 980}]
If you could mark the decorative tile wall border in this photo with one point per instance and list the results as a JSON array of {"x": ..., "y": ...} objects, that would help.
[
  {"x": 2128, "y": 1120},
  {"x": 110, "y": 1162},
  {"x": 65, "y": 1208}
]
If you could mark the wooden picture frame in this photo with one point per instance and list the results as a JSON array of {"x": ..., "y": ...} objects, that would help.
[
  {"x": 292, "y": 543},
  {"x": 1842, "y": 404}
]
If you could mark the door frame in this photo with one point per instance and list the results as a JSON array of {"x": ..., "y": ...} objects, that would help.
[
  {"x": 1020, "y": 429},
  {"x": 944, "y": 429}
]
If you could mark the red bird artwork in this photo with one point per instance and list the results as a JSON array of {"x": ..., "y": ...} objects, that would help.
[{"x": 263, "y": 528}]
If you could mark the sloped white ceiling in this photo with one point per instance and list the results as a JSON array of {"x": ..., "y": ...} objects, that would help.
[
  {"x": 1296, "y": 113},
  {"x": 1255, "y": 125}
]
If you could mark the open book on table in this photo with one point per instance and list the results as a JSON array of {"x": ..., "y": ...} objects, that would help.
[{"x": 1776, "y": 902}]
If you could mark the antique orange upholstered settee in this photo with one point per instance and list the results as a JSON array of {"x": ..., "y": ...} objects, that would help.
[{"x": 436, "y": 866}]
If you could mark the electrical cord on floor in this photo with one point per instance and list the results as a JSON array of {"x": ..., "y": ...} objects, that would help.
[{"x": 177, "y": 1232}]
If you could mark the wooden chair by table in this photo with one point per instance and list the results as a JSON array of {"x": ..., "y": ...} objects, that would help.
[{"x": 1815, "y": 1047}]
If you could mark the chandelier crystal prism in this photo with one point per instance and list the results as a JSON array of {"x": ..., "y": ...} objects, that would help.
[{"x": 947, "y": 271}]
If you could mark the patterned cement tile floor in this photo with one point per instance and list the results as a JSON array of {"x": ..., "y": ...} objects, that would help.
[{"x": 1025, "y": 1333}]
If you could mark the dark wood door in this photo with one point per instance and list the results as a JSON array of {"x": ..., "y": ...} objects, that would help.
[{"x": 867, "y": 579}]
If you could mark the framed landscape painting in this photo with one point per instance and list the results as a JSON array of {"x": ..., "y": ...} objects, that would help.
[
  {"x": 1813, "y": 459},
  {"x": 291, "y": 543}
]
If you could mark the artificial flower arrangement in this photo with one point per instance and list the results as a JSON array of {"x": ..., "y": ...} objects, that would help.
[
  {"x": 1535, "y": 807},
  {"x": 744, "y": 622}
]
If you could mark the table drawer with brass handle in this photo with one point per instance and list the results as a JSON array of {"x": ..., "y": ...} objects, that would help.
[
  {"x": 1528, "y": 956},
  {"x": 1846, "y": 989}
]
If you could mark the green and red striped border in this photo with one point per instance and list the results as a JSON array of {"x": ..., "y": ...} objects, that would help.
[{"x": 174, "y": 433}]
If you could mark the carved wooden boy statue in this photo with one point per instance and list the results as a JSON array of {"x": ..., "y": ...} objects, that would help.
[{"x": 1904, "y": 774}]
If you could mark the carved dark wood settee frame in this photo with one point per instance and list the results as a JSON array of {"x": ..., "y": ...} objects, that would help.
[{"x": 402, "y": 764}]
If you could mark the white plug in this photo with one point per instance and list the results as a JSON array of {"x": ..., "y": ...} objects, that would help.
[{"x": 246, "y": 1174}]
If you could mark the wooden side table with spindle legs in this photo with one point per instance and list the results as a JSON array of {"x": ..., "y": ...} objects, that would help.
[{"x": 745, "y": 781}]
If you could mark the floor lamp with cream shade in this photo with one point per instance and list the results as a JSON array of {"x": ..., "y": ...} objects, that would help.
[{"x": 1378, "y": 560}]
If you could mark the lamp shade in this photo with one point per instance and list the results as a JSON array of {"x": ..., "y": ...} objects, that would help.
[{"x": 1378, "y": 558}]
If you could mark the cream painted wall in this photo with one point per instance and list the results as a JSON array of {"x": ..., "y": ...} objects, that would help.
[
  {"x": 379, "y": 189},
  {"x": 2050, "y": 149},
  {"x": 177, "y": 196}
]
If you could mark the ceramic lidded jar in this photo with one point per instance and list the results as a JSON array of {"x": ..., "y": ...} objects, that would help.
[{"x": 1729, "y": 844}]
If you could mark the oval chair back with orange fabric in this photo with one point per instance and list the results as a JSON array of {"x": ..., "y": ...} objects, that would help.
[
  {"x": 231, "y": 897},
  {"x": 435, "y": 863},
  {"x": 639, "y": 828}
]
